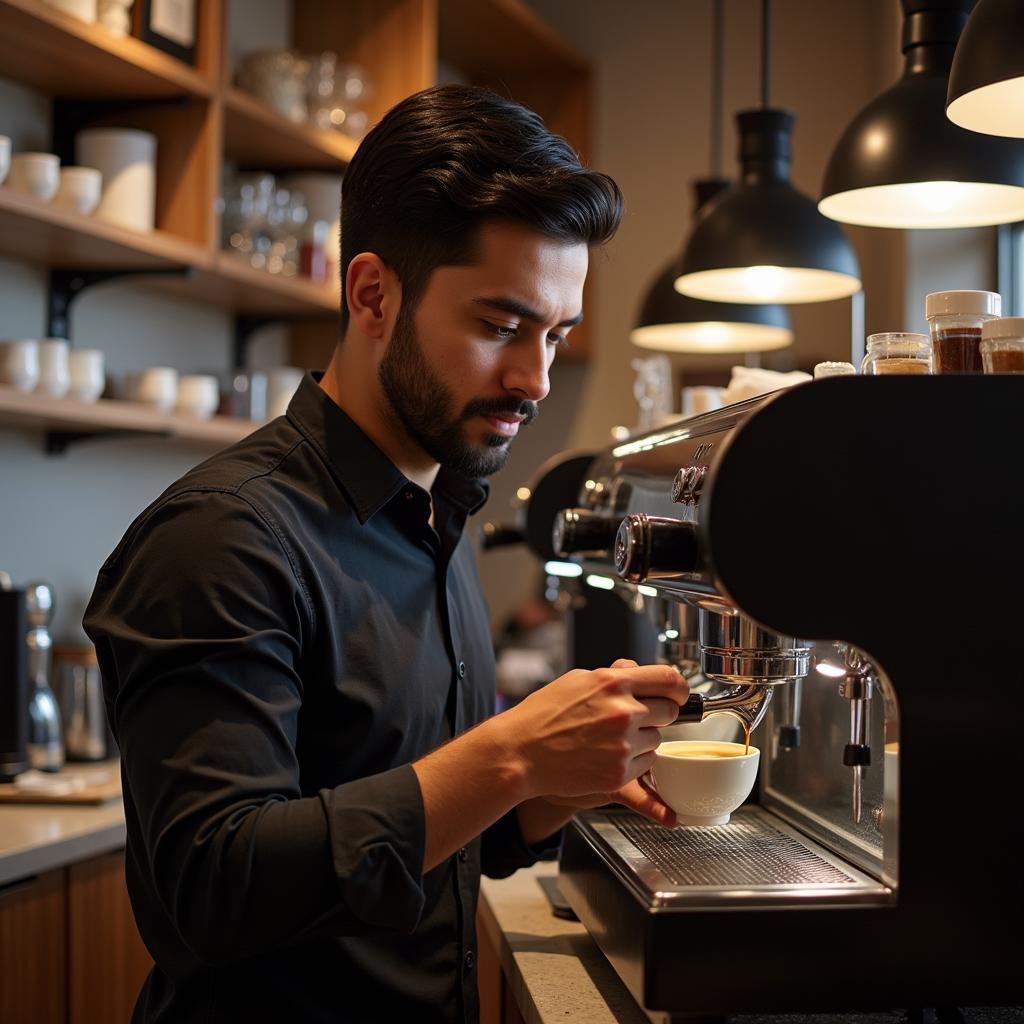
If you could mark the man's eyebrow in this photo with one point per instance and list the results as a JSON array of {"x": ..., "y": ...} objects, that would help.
[{"x": 517, "y": 308}]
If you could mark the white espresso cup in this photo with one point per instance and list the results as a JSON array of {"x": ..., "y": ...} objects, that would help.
[
  {"x": 5, "y": 157},
  {"x": 19, "y": 364},
  {"x": 704, "y": 781},
  {"x": 86, "y": 372},
  {"x": 54, "y": 367},
  {"x": 198, "y": 395},
  {"x": 80, "y": 189},
  {"x": 158, "y": 387},
  {"x": 282, "y": 383},
  {"x": 35, "y": 174}
]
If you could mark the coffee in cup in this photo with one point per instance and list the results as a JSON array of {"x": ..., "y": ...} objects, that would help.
[{"x": 704, "y": 781}]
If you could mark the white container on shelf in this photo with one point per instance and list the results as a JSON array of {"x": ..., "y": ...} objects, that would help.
[
  {"x": 5, "y": 157},
  {"x": 198, "y": 395},
  {"x": 282, "y": 383},
  {"x": 158, "y": 387},
  {"x": 54, "y": 367},
  {"x": 35, "y": 174},
  {"x": 80, "y": 189},
  {"x": 85, "y": 367},
  {"x": 126, "y": 157},
  {"x": 84, "y": 10},
  {"x": 19, "y": 363},
  {"x": 114, "y": 16}
]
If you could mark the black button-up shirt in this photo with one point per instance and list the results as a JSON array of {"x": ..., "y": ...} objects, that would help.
[{"x": 281, "y": 634}]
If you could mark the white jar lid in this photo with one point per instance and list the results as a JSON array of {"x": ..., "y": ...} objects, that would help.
[
  {"x": 1003, "y": 327},
  {"x": 964, "y": 302}
]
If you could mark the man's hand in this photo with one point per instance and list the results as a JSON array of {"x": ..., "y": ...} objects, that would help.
[
  {"x": 637, "y": 795},
  {"x": 593, "y": 731}
]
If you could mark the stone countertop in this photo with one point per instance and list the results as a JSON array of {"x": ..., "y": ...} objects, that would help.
[
  {"x": 553, "y": 967},
  {"x": 557, "y": 973},
  {"x": 41, "y": 837}
]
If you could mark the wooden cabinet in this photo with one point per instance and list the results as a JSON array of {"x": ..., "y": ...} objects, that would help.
[
  {"x": 107, "y": 962},
  {"x": 33, "y": 950},
  {"x": 69, "y": 949}
]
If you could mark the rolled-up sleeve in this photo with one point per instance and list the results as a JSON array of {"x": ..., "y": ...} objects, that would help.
[{"x": 201, "y": 625}]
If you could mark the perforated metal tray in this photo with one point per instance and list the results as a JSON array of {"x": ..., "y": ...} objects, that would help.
[{"x": 755, "y": 859}]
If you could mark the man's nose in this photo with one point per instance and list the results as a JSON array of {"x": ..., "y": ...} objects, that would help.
[{"x": 526, "y": 371}]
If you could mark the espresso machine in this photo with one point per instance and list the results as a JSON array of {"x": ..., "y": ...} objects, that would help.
[{"x": 839, "y": 564}]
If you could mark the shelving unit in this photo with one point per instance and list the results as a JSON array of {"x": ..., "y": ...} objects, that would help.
[
  {"x": 203, "y": 122},
  {"x": 36, "y": 412}
]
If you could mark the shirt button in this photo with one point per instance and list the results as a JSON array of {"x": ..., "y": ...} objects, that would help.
[
  {"x": 463, "y": 855},
  {"x": 408, "y": 495},
  {"x": 469, "y": 960},
  {"x": 462, "y": 670}
]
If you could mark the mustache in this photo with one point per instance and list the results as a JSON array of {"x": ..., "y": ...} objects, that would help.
[{"x": 495, "y": 406}]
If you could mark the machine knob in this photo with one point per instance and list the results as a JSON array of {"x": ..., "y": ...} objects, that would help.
[
  {"x": 651, "y": 547},
  {"x": 578, "y": 531},
  {"x": 687, "y": 484}
]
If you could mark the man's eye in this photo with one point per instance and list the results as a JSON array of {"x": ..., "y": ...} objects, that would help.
[
  {"x": 500, "y": 330},
  {"x": 558, "y": 339}
]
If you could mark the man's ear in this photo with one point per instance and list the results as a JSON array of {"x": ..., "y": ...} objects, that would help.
[{"x": 372, "y": 294}]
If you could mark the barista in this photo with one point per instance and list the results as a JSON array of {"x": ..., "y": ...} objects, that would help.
[{"x": 293, "y": 640}]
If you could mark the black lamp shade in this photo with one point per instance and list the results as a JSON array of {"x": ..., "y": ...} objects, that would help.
[
  {"x": 986, "y": 81},
  {"x": 763, "y": 241},
  {"x": 670, "y": 322},
  {"x": 902, "y": 163}
]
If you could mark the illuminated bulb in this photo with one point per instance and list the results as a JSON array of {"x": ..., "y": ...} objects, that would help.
[
  {"x": 566, "y": 569},
  {"x": 601, "y": 582},
  {"x": 523, "y": 494}
]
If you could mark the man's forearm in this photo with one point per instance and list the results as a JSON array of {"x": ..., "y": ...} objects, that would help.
[
  {"x": 467, "y": 785},
  {"x": 539, "y": 819}
]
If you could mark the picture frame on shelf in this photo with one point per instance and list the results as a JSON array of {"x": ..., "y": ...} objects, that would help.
[{"x": 169, "y": 25}]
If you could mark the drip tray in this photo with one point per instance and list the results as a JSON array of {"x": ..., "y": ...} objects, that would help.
[{"x": 754, "y": 860}]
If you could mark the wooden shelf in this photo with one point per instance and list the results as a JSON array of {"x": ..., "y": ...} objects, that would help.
[
  {"x": 42, "y": 233},
  {"x": 495, "y": 39},
  {"x": 31, "y": 411},
  {"x": 257, "y": 136},
  {"x": 59, "y": 55}
]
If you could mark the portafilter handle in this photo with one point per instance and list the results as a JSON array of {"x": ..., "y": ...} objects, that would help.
[
  {"x": 747, "y": 703},
  {"x": 579, "y": 531}
]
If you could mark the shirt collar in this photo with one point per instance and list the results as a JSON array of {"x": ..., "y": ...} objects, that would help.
[{"x": 368, "y": 477}]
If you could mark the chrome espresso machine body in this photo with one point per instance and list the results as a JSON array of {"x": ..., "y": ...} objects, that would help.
[{"x": 838, "y": 566}]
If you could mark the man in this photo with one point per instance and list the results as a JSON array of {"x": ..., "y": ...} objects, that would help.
[{"x": 293, "y": 640}]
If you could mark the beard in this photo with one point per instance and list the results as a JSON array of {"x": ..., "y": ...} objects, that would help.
[{"x": 426, "y": 407}]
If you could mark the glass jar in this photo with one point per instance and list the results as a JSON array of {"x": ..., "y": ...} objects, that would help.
[
  {"x": 1002, "y": 345},
  {"x": 955, "y": 320},
  {"x": 897, "y": 352}
]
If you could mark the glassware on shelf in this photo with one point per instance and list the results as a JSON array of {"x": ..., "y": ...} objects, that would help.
[
  {"x": 897, "y": 352},
  {"x": 280, "y": 78},
  {"x": 263, "y": 224},
  {"x": 1002, "y": 345},
  {"x": 337, "y": 93},
  {"x": 833, "y": 368}
]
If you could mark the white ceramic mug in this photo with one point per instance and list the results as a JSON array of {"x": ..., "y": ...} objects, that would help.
[
  {"x": 282, "y": 383},
  {"x": 5, "y": 157},
  {"x": 126, "y": 157},
  {"x": 158, "y": 387},
  {"x": 19, "y": 364},
  {"x": 114, "y": 17},
  {"x": 84, "y": 10},
  {"x": 80, "y": 189},
  {"x": 86, "y": 372},
  {"x": 54, "y": 367},
  {"x": 35, "y": 174},
  {"x": 708, "y": 784},
  {"x": 198, "y": 395}
]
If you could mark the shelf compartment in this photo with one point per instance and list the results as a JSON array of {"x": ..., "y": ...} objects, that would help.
[
  {"x": 59, "y": 55},
  {"x": 31, "y": 411},
  {"x": 257, "y": 136},
  {"x": 42, "y": 233}
]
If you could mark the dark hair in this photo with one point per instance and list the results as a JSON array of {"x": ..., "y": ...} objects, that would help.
[{"x": 448, "y": 158}]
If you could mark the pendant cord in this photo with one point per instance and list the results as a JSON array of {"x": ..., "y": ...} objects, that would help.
[
  {"x": 717, "y": 57},
  {"x": 766, "y": 45}
]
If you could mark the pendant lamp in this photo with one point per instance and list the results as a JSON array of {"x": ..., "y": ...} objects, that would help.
[
  {"x": 903, "y": 164},
  {"x": 670, "y": 322},
  {"x": 763, "y": 241},
  {"x": 986, "y": 81}
]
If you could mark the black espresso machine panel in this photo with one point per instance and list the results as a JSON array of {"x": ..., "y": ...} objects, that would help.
[{"x": 837, "y": 567}]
